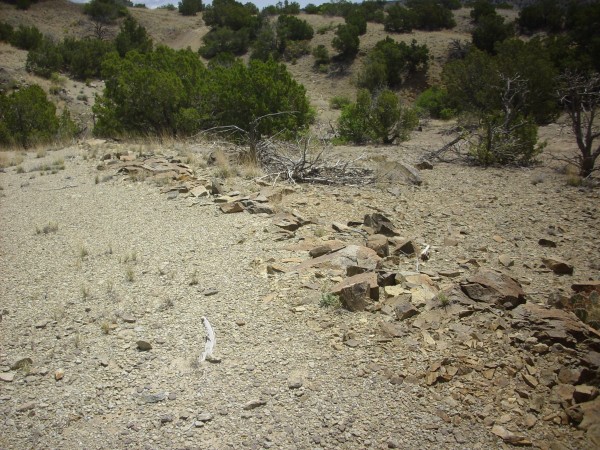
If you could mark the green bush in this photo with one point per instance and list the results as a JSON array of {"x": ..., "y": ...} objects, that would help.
[
  {"x": 505, "y": 143},
  {"x": 27, "y": 117},
  {"x": 6, "y": 32},
  {"x": 431, "y": 15},
  {"x": 132, "y": 36},
  {"x": 83, "y": 58},
  {"x": 168, "y": 7},
  {"x": 339, "y": 102},
  {"x": 391, "y": 62},
  {"x": 490, "y": 30},
  {"x": 436, "y": 103},
  {"x": 240, "y": 94},
  {"x": 145, "y": 92},
  {"x": 233, "y": 15},
  {"x": 321, "y": 54},
  {"x": 225, "y": 40},
  {"x": 290, "y": 28},
  {"x": 265, "y": 45},
  {"x": 190, "y": 7},
  {"x": 171, "y": 92},
  {"x": 400, "y": 19},
  {"x": 104, "y": 11},
  {"x": 346, "y": 41},
  {"x": 45, "y": 59},
  {"x": 356, "y": 18},
  {"x": 541, "y": 15},
  {"x": 26, "y": 38},
  {"x": 379, "y": 118},
  {"x": 482, "y": 8}
]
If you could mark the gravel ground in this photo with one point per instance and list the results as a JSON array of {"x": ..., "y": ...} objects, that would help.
[{"x": 118, "y": 262}]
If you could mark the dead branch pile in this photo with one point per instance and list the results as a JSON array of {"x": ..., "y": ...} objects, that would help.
[{"x": 299, "y": 164}]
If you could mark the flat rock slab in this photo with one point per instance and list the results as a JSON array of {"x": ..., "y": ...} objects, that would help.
[
  {"x": 558, "y": 266},
  {"x": 495, "y": 288},
  {"x": 552, "y": 324},
  {"x": 352, "y": 255}
]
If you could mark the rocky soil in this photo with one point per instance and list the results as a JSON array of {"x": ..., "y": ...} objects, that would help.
[{"x": 106, "y": 277}]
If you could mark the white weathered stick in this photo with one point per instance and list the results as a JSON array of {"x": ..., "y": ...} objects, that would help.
[{"x": 210, "y": 340}]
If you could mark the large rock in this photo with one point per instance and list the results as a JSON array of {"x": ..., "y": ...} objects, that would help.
[
  {"x": 368, "y": 277},
  {"x": 352, "y": 255},
  {"x": 553, "y": 325},
  {"x": 356, "y": 297},
  {"x": 495, "y": 288},
  {"x": 380, "y": 224},
  {"x": 379, "y": 243},
  {"x": 591, "y": 421},
  {"x": 326, "y": 247},
  {"x": 557, "y": 266}
]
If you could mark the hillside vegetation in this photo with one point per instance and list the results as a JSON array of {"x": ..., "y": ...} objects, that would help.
[{"x": 500, "y": 71}]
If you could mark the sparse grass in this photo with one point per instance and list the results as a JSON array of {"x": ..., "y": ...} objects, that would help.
[
  {"x": 129, "y": 257},
  {"x": 110, "y": 288},
  {"x": 41, "y": 152},
  {"x": 324, "y": 29},
  {"x": 20, "y": 169},
  {"x": 85, "y": 292},
  {"x": 443, "y": 299},
  {"x": 320, "y": 232},
  {"x": 194, "y": 278},
  {"x": 59, "y": 313},
  {"x": 50, "y": 227},
  {"x": 97, "y": 179},
  {"x": 129, "y": 274},
  {"x": 574, "y": 180},
  {"x": 138, "y": 176},
  {"x": 25, "y": 368},
  {"x": 329, "y": 300},
  {"x": 53, "y": 167},
  {"x": 166, "y": 304},
  {"x": 77, "y": 340},
  {"x": 82, "y": 251},
  {"x": 105, "y": 327},
  {"x": 339, "y": 101},
  {"x": 223, "y": 168}
]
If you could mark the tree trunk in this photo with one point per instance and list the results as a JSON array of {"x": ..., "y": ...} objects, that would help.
[{"x": 587, "y": 166}]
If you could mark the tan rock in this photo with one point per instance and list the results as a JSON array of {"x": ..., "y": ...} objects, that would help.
[
  {"x": 59, "y": 374},
  {"x": 494, "y": 287},
  {"x": 7, "y": 377},
  {"x": 506, "y": 260},
  {"x": 368, "y": 277},
  {"x": 558, "y": 266},
  {"x": 356, "y": 296},
  {"x": 379, "y": 243},
  {"x": 230, "y": 208}
]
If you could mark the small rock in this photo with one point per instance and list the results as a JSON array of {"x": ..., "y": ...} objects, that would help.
[
  {"x": 59, "y": 374},
  {"x": 230, "y": 208},
  {"x": 253, "y": 404},
  {"x": 8, "y": 377},
  {"x": 166, "y": 418},
  {"x": 557, "y": 266},
  {"x": 510, "y": 437},
  {"x": 127, "y": 318},
  {"x": 154, "y": 398},
  {"x": 295, "y": 382},
  {"x": 209, "y": 292},
  {"x": 41, "y": 324},
  {"x": 547, "y": 243},
  {"x": 26, "y": 407},
  {"x": 204, "y": 417},
  {"x": 143, "y": 346},
  {"x": 506, "y": 260}
]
